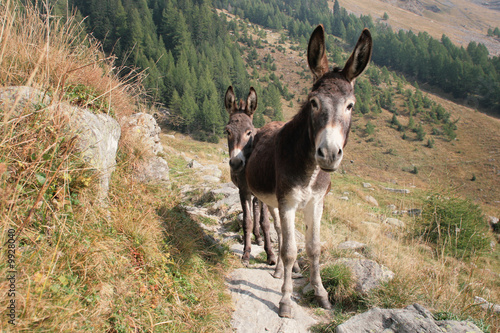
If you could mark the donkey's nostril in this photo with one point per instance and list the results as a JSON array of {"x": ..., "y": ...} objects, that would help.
[
  {"x": 320, "y": 153},
  {"x": 340, "y": 152}
]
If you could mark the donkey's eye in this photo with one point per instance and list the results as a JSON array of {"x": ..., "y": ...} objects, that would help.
[
  {"x": 314, "y": 103},
  {"x": 249, "y": 133},
  {"x": 228, "y": 133},
  {"x": 350, "y": 106}
]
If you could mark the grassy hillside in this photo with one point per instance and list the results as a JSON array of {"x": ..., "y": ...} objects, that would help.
[
  {"x": 138, "y": 262},
  {"x": 461, "y": 20}
]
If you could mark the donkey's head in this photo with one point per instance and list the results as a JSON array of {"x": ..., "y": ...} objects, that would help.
[
  {"x": 332, "y": 98},
  {"x": 240, "y": 130}
]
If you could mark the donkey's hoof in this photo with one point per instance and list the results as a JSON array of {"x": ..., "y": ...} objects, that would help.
[
  {"x": 278, "y": 274},
  {"x": 324, "y": 302},
  {"x": 271, "y": 260},
  {"x": 285, "y": 311},
  {"x": 259, "y": 242},
  {"x": 245, "y": 261},
  {"x": 296, "y": 267}
]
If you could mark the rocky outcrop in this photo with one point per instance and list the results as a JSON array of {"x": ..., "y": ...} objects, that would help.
[
  {"x": 144, "y": 132},
  {"x": 413, "y": 318}
]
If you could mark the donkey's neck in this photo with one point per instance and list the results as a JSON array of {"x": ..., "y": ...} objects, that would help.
[{"x": 296, "y": 145}]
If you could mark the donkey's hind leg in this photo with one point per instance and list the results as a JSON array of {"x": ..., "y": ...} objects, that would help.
[
  {"x": 256, "y": 218},
  {"x": 265, "y": 225}
]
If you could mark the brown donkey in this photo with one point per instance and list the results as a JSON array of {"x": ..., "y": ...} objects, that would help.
[
  {"x": 290, "y": 163},
  {"x": 240, "y": 133}
]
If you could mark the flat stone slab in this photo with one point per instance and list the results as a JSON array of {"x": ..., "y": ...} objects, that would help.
[{"x": 256, "y": 295}]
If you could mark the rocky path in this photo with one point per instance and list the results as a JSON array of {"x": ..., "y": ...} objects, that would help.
[{"x": 256, "y": 294}]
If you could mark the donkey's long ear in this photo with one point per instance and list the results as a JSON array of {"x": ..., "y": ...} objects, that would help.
[
  {"x": 360, "y": 57},
  {"x": 251, "y": 102},
  {"x": 229, "y": 100},
  {"x": 316, "y": 53}
]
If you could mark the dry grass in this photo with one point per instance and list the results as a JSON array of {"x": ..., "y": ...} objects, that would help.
[{"x": 137, "y": 264}]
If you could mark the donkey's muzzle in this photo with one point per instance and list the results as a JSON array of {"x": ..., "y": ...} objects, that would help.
[
  {"x": 236, "y": 164},
  {"x": 329, "y": 158}
]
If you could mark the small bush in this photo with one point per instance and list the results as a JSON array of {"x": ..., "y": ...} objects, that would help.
[{"x": 454, "y": 226}]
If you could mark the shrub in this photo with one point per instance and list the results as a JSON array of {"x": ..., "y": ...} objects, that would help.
[
  {"x": 339, "y": 282},
  {"x": 454, "y": 226}
]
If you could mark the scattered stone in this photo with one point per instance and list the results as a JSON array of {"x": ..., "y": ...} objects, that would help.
[
  {"x": 367, "y": 185},
  {"x": 170, "y": 136},
  {"x": 415, "y": 212},
  {"x": 367, "y": 273},
  {"x": 494, "y": 225},
  {"x": 396, "y": 190},
  {"x": 193, "y": 164},
  {"x": 344, "y": 198},
  {"x": 211, "y": 179},
  {"x": 371, "y": 200},
  {"x": 391, "y": 207},
  {"x": 413, "y": 318},
  {"x": 352, "y": 245},
  {"x": 487, "y": 306},
  {"x": 398, "y": 212},
  {"x": 212, "y": 170},
  {"x": 395, "y": 222}
]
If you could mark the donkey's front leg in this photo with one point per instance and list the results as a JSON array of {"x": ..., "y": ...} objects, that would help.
[
  {"x": 312, "y": 218},
  {"x": 245, "y": 199},
  {"x": 288, "y": 255}
]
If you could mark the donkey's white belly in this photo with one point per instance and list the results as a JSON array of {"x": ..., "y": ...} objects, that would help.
[{"x": 297, "y": 198}]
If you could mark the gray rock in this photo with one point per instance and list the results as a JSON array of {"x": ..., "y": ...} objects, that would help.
[
  {"x": 397, "y": 190},
  {"x": 415, "y": 212},
  {"x": 352, "y": 245},
  {"x": 154, "y": 169},
  {"x": 413, "y": 318},
  {"x": 256, "y": 295},
  {"x": 98, "y": 136},
  {"x": 487, "y": 306},
  {"x": 493, "y": 224},
  {"x": 194, "y": 165},
  {"x": 367, "y": 273},
  {"x": 16, "y": 98},
  {"x": 371, "y": 200},
  {"x": 391, "y": 207},
  {"x": 395, "y": 222},
  {"x": 367, "y": 185},
  {"x": 143, "y": 128},
  {"x": 344, "y": 198},
  {"x": 212, "y": 170},
  {"x": 211, "y": 179},
  {"x": 145, "y": 132}
]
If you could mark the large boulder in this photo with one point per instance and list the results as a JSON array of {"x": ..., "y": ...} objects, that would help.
[
  {"x": 98, "y": 136},
  {"x": 367, "y": 273},
  {"x": 413, "y": 318},
  {"x": 16, "y": 98}
]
